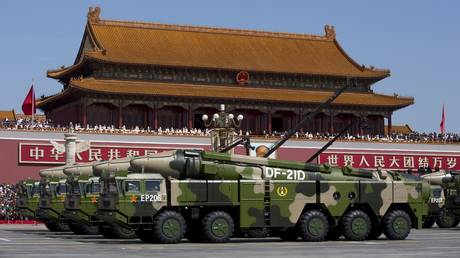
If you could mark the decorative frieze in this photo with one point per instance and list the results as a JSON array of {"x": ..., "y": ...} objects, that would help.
[{"x": 220, "y": 77}]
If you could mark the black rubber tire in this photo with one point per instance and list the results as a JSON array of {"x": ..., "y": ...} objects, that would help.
[
  {"x": 457, "y": 221},
  {"x": 168, "y": 220},
  {"x": 446, "y": 221},
  {"x": 225, "y": 222},
  {"x": 352, "y": 231},
  {"x": 116, "y": 232},
  {"x": 376, "y": 232},
  {"x": 290, "y": 234},
  {"x": 334, "y": 233},
  {"x": 428, "y": 223},
  {"x": 57, "y": 227},
  {"x": 146, "y": 236},
  {"x": 313, "y": 232},
  {"x": 397, "y": 231},
  {"x": 106, "y": 232},
  {"x": 81, "y": 229}
]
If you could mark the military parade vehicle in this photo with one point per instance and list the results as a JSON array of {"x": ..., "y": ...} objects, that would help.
[
  {"x": 82, "y": 193},
  {"x": 52, "y": 190},
  {"x": 448, "y": 198},
  {"x": 81, "y": 199},
  {"x": 28, "y": 197},
  {"x": 212, "y": 196}
]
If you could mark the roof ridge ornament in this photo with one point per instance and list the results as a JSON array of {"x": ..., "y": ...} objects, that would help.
[
  {"x": 330, "y": 31},
  {"x": 93, "y": 14}
]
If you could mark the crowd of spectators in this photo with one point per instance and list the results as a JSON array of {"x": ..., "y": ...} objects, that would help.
[
  {"x": 395, "y": 137},
  {"x": 8, "y": 209}
]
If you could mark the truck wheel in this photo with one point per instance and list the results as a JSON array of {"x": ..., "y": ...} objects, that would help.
[
  {"x": 81, "y": 229},
  {"x": 428, "y": 223},
  {"x": 169, "y": 227},
  {"x": 123, "y": 233},
  {"x": 396, "y": 225},
  {"x": 57, "y": 227},
  {"x": 217, "y": 227},
  {"x": 146, "y": 236},
  {"x": 375, "y": 233},
  {"x": 457, "y": 221},
  {"x": 313, "y": 226},
  {"x": 290, "y": 234},
  {"x": 356, "y": 225},
  {"x": 51, "y": 226},
  {"x": 116, "y": 232},
  {"x": 446, "y": 220}
]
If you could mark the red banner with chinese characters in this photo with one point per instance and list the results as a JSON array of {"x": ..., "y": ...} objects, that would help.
[
  {"x": 404, "y": 161},
  {"x": 36, "y": 153}
]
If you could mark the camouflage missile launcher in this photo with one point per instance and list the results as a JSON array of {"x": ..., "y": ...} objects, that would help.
[
  {"x": 28, "y": 197},
  {"x": 449, "y": 199},
  {"x": 82, "y": 197},
  {"x": 53, "y": 190},
  {"x": 435, "y": 206},
  {"x": 210, "y": 196},
  {"x": 80, "y": 200}
]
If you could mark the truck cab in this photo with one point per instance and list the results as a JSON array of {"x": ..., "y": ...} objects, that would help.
[
  {"x": 28, "y": 197},
  {"x": 50, "y": 210},
  {"x": 133, "y": 200},
  {"x": 81, "y": 204}
]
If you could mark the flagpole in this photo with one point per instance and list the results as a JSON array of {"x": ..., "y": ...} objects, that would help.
[{"x": 33, "y": 102}]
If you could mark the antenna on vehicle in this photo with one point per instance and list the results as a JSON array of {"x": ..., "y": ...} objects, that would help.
[
  {"x": 360, "y": 121},
  {"x": 307, "y": 119}
]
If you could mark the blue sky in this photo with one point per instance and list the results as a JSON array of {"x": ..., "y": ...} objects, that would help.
[{"x": 418, "y": 40}]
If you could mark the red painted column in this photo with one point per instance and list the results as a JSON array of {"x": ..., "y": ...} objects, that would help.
[
  {"x": 83, "y": 113},
  {"x": 331, "y": 122},
  {"x": 389, "y": 124},
  {"x": 155, "y": 117},
  {"x": 190, "y": 121},
  {"x": 120, "y": 115},
  {"x": 269, "y": 122}
]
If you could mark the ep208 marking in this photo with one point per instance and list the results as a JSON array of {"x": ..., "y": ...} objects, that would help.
[
  {"x": 279, "y": 173},
  {"x": 151, "y": 198}
]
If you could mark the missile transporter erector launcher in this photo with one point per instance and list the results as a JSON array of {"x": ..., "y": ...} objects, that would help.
[
  {"x": 53, "y": 190},
  {"x": 210, "y": 196},
  {"x": 79, "y": 205},
  {"x": 82, "y": 197},
  {"x": 28, "y": 197},
  {"x": 213, "y": 196},
  {"x": 448, "y": 198}
]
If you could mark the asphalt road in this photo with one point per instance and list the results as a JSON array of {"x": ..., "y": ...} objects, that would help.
[{"x": 36, "y": 241}]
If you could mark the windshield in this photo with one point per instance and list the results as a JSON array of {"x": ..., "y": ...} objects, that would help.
[
  {"x": 61, "y": 189},
  {"x": 109, "y": 185},
  {"x": 35, "y": 190},
  {"x": 94, "y": 187},
  {"x": 132, "y": 186},
  {"x": 152, "y": 185},
  {"x": 53, "y": 188},
  {"x": 437, "y": 193}
]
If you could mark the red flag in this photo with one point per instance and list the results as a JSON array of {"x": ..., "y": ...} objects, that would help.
[
  {"x": 28, "y": 106},
  {"x": 442, "y": 126}
]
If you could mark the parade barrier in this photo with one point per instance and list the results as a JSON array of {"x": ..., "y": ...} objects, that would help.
[{"x": 27, "y": 222}]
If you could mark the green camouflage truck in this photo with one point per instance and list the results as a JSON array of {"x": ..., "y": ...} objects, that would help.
[
  {"x": 28, "y": 197},
  {"x": 81, "y": 200},
  {"x": 53, "y": 190},
  {"x": 448, "y": 199},
  {"x": 211, "y": 197}
]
